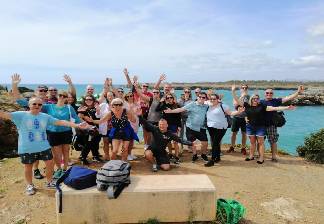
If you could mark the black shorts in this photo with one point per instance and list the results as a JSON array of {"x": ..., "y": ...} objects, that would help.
[
  {"x": 238, "y": 123},
  {"x": 59, "y": 138},
  {"x": 161, "y": 156},
  {"x": 193, "y": 135},
  {"x": 30, "y": 158}
]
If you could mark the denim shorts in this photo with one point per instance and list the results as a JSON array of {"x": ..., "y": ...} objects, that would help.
[
  {"x": 30, "y": 158},
  {"x": 258, "y": 131}
]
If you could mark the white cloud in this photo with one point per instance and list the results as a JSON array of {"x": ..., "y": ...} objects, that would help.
[
  {"x": 317, "y": 30},
  {"x": 309, "y": 60}
]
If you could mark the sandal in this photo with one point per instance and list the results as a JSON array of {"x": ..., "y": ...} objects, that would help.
[
  {"x": 248, "y": 159},
  {"x": 260, "y": 162}
]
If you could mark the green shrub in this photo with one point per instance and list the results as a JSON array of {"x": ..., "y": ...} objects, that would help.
[{"x": 313, "y": 148}]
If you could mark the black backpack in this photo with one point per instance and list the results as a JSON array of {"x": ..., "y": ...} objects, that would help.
[
  {"x": 114, "y": 176},
  {"x": 278, "y": 119}
]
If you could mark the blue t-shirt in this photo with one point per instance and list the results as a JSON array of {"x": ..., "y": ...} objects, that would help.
[
  {"x": 275, "y": 102},
  {"x": 22, "y": 102},
  {"x": 32, "y": 131},
  {"x": 196, "y": 115},
  {"x": 61, "y": 113}
]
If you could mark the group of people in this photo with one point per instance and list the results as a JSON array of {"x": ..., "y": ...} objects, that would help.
[{"x": 53, "y": 120}]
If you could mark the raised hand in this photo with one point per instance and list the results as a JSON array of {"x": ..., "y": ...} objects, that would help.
[
  {"x": 82, "y": 109},
  {"x": 291, "y": 107},
  {"x": 126, "y": 71},
  {"x": 15, "y": 78},
  {"x": 135, "y": 79},
  {"x": 67, "y": 78},
  {"x": 162, "y": 77},
  {"x": 301, "y": 89},
  {"x": 106, "y": 83},
  {"x": 233, "y": 88}
]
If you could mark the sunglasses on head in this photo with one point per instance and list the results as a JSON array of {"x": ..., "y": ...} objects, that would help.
[
  {"x": 169, "y": 97},
  {"x": 269, "y": 93},
  {"x": 118, "y": 104},
  {"x": 37, "y": 104}
]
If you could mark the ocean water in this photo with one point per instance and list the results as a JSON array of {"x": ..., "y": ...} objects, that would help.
[{"x": 300, "y": 122}]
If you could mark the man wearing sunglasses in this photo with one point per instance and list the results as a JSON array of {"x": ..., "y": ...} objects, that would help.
[
  {"x": 196, "y": 124},
  {"x": 32, "y": 143},
  {"x": 271, "y": 129}
]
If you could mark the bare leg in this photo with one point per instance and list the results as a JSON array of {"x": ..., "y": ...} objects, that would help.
[
  {"x": 233, "y": 139},
  {"x": 66, "y": 155},
  {"x": 125, "y": 150},
  {"x": 29, "y": 173},
  {"x": 49, "y": 170},
  {"x": 261, "y": 148},
  {"x": 35, "y": 164},
  {"x": 253, "y": 145},
  {"x": 149, "y": 156},
  {"x": 165, "y": 167},
  {"x": 57, "y": 155},
  {"x": 204, "y": 145},
  {"x": 274, "y": 150},
  {"x": 106, "y": 148},
  {"x": 243, "y": 139},
  {"x": 116, "y": 143}
]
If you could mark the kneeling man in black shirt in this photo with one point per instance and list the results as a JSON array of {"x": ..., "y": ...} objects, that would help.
[{"x": 160, "y": 139}]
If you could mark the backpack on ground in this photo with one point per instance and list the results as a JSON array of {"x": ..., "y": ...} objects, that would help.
[
  {"x": 229, "y": 211},
  {"x": 78, "y": 178},
  {"x": 114, "y": 176},
  {"x": 278, "y": 119}
]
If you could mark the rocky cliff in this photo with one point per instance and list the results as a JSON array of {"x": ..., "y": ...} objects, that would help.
[{"x": 311, "y": 97}]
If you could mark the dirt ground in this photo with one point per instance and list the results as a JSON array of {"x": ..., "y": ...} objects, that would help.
[{"x": 290, "y": 191}]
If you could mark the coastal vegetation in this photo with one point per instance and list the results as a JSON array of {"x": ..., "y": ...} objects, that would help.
[{"x": 313, "y": 148}]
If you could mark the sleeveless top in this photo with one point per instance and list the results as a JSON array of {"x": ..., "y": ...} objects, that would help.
[{"x": 121, "y": 122}]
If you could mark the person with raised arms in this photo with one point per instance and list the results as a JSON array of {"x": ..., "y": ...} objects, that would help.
[{"x": 32, "y": 142}]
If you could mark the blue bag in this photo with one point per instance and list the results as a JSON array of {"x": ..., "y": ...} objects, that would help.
[{"x": 78, "y": 178}]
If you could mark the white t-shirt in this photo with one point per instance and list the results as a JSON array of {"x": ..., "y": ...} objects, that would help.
[{"x": 216, "y": 117}]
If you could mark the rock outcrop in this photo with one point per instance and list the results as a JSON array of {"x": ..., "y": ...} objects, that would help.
[
  {"x": 311, "y": 97},
  {"x": 8, "y": 131}
]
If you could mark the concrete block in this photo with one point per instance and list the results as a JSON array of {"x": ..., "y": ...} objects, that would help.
[{"x": 168, "y": 198}]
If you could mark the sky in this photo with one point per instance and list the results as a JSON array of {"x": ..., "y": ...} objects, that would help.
[{"x": 189, "y": 41}]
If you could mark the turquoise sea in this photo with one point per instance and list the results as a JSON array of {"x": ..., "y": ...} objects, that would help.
[{"x": 300, "y": 123}]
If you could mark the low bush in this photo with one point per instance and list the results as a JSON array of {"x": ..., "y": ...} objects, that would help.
[{"x": 313, "y": 148}]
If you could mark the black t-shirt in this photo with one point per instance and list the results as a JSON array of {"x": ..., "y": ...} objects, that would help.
[
  {"x": 172, "y": 119},
  {"x": 256, "y": 114},
  {"x": 160, "y": 140},
  {"x": 90, "y": 112}
]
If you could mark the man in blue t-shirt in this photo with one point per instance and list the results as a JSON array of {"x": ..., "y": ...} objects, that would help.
[
  {"x": 32, "y": 140},
  {"x": 271, "y": 129}
]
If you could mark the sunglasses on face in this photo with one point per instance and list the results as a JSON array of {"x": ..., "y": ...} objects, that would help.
[
  {"x": 269, "y": 93},
  {"x": 170, "y": 97},
  {"x": 187, "y": 91},
  {"x": 64, "y": 96},
  {"x": 244, "y": 87},
  {"x": 202, "y": 97},
  {"x": 52, "y": 90},
  {"x": 120, "y": 91},
  {"x": 88, "y": 99},
  {"x": 213, "y": 99},
  {"x": 37, "y": 104},
  {"x": 145, "y": 86},
  {"x": 117, "y": 105},
  {"x": 155, "y": 92},
  {"x": 42, "y": 90},
  {"x": 255, "y": 99}
]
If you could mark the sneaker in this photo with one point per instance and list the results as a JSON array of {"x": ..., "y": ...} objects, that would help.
[
  {"x": 51, "y": 185},
  {"x": 37, "y": 174},
  {"x": 57, "y": 174},
  {"x": 176, "y": 160},
  {"x": 194, "y": 157},
  {"x": 133, "y": 156},
  {"x": 85, "y": 162},
  {"x": 130, "y": 158},
  {"x": 154, "y": 168},
  {"x": 210, "y": 163},
  {"x": 204, "y": 157},
  {"x": 97, "y": 159},
  {"x": 30, "y": 189},
  {"x": 146, "y": 146},
  {"x": 231, "y": 149},
  {"x": 243, "y": 151}
]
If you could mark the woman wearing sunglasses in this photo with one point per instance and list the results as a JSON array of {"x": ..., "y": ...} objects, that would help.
[
  {"x": 122, "y": 132},
  {"x": 60, "y": 138},
  {"x": 91, "y": 139},
  {"x": 256, "y": 121},
  {"x": 174, "y": 121}
]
